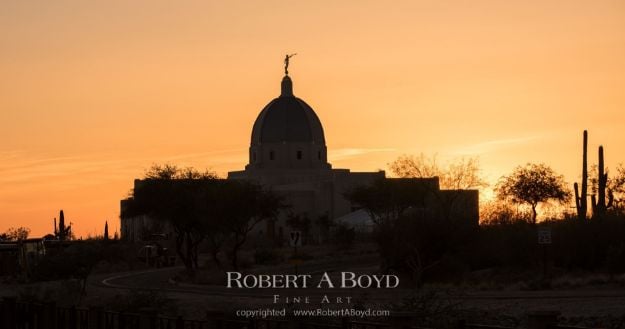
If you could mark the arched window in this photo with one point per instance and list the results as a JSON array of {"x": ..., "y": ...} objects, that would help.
[
  {"x": 271, "y": 155},
  {"x": 319, "y": 155},
  {"x": 299, "y": 155}
]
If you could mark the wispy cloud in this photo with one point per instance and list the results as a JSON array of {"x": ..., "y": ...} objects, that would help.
[
  {"x": 22, "y": 167},
  {"x": 494, "y": 145},
  {"x": 347, "y": 153},
  {"x": 21, "y": 172}
]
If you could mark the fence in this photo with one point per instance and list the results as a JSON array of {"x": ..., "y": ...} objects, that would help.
[{"x": 17, "y": 315}]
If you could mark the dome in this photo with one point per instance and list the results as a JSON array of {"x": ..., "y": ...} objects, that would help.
[{"x": 287, "y": 119}]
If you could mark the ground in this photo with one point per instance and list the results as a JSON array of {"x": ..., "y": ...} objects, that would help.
[{"x": 582, "y": 302}]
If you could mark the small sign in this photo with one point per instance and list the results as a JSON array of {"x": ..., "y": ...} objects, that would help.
[
  {"x": 295, "y": 239},
  {"x": 544, "y": 235}
]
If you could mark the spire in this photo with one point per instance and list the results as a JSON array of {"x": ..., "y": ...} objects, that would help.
[{"x": 287, "y": 87}]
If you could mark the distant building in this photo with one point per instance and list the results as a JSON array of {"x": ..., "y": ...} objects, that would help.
[
  {"x": 288, "y": 154},
  {"x": 20, "y": 257}
]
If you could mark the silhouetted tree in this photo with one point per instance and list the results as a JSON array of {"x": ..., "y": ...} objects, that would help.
[
  {"x": 498, "y": 212},
  {"x": 385, "y": 200},
  {"x": 216, "y": 239},
  {"x": 178, "y": 197},
  {"x": 215, "y": 230},
  {"x": 199, "y": 206},
  {"x": 165, "y": 171},
  {"x": 616, "y": 186},
  {"x": 532, "y": 184},
  {"x": 463, "y": 173},
  {"x": 16, "y": 233},
  {"x": 242, "y": 205},
  {"x": 411, "y": 238}
]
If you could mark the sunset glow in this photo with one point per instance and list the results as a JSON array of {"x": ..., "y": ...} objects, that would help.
[{"x": 94, "y": 93}]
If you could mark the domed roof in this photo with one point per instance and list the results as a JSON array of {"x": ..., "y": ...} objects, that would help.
[{"x": 287, "y": 119}]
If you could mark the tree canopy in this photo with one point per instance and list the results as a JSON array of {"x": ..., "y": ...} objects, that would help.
[
  {"x": 199, "y": 205},
  {"x": 15, "y": 234},
  {"x": 532, "y": 184},
  {"x": 463, "y": 173},
  {"x": 411, "y": 237},
  {"x": 386, "y": 199}
]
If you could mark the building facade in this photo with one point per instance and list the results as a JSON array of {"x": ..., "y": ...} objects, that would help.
[{"x": 288, "y": 155}]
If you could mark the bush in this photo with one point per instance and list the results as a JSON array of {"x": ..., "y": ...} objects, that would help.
[
  {"x": 591, "y": 245},
  {"x": 74, "y": 261},
  {"x": 506, "y": 245},
  {"x": 80, "y": 258}
]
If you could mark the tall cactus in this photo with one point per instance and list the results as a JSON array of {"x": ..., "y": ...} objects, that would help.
[
  {"x": 602, "y": 180},
  {"x": 581, "y": 201},
  {"x": 64, "y": 232},
  {"x": 599, "y": 205},
  {"x": 61, "y": 226}
]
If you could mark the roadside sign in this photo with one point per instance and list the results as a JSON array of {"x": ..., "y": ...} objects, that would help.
[
  {"x": 544, "y": 235},
  {"x": 295, "y": 239}
]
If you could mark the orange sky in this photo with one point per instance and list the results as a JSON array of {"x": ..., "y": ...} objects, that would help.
[{"x": 93, "y": 92}]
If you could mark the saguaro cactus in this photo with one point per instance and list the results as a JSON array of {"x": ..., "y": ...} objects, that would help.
[
  {"x": 581, "y": 201},
  {"x": 602, "y": 180},
  {"x": 61, "y": 226},
  {"x": 599, "y": 205},
  {"x": 63, "y": 232}
]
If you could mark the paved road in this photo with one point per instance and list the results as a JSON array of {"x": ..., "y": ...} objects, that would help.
[
  {"x": 159, "y": 279},
  {"x": 588, "y": 302}
]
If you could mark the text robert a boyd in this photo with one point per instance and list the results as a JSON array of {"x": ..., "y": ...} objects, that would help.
[{"x": 279, "y": 281}]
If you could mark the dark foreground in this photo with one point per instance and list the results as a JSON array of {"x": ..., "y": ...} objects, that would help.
[{"x": 18, "y": 315}]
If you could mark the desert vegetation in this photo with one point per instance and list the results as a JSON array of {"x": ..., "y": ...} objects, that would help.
[{"x": 430, "y": 247}]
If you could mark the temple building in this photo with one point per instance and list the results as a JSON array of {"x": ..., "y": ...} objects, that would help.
[{"x": 288, "y": 154}]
